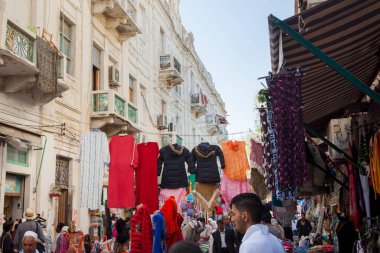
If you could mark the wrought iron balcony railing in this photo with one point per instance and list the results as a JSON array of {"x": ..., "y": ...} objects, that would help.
[{"x": 19, "y": 42}]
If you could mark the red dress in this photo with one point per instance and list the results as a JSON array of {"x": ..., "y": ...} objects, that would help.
[
  {"x": 124, "y": 158},
  {"x": 146, "y": 175}
]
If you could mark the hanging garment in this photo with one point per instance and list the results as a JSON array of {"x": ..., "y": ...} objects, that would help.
[
  {"x": 236, "y": 160},
  {"x": 159, "y": 233},
  {"x": 141, "y": 231},
  {"x": 268, "y": 167},
  {"x": 231, "y": 188},
  {"x": 176, "y": 193},
  {"x": 205, "y": 157},
  {"x": 354, "y": 213},
  {"x": 257, "y": 156},
  {"x": 374, "y": 175},
  {"x": 365, "y": 188},
  {"x": 93, "y": 157},
  {"x": 174, "y": 175},
  {"x": 285, "y": 93},
  {"x": 207, "y": 193},
  {"x": 146, "y": 175},
  {"x": 169, "y": 210},
  {"x": 124, "y": 159},
  {"x": 47, "y": 62}
]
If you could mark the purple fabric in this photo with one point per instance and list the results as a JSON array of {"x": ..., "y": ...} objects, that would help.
[
  {"x": 285, "y": 96},
  {"x": 267, "y": 165}
]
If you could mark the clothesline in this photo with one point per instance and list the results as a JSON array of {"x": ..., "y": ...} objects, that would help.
[{"x": 196, "y": 135}]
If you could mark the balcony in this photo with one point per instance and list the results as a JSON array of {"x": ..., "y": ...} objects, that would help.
[
  {"x": 108, "y": 108},
  {"x": 223, "y": 134},
  {"x": 170, "y": 71},
  {"x": 19, "y": 72},
  {"x": 171, "y": 138},
  {"x": 120, "y": 15},
  {"x": 132, "y": 113},
  {"x": 199, "y": 104},
  {"x": 212, "y": 124}
]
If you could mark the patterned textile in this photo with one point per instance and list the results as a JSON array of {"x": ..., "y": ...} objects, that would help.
[
  {"x": 236, "y": 161},
  {"x": 267, "y": 165},
  {"x": 47, "y": 62},
  {"x": 93, "y": 157},
  {"x": 141, "y": 231},
  {"x": 176, "y": 193},
  {"x": 206, "y": 193},
  {"x": 231, "y": 188},
  {"x": 257, "y": 155},
  {"x": 285, "y": 93}
]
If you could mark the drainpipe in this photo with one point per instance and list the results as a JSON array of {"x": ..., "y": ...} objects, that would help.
[{"x": 39, "y": 170}]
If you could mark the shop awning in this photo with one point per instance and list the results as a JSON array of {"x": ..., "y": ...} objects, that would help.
[{"x": 346, "y": 30}]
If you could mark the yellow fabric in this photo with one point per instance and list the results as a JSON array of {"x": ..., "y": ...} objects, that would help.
[
  {"x": 374, "y": 153},
  {"x": 236, "y": 160}
]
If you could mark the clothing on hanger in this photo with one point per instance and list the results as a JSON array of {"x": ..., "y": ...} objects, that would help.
[
  {"x": 141, "y": 231},
  {"x": 124, "y": 160},
  {"x": 173, "y": 158},
  {"x": 93, "y": 158},
  {"x": 205, "y": 157},
  {"x": 231, "y": 188},
  {"x": 159, "y": 233},
  {"x": 146, "y": 175},
  {"x": 236, "y": 160}
]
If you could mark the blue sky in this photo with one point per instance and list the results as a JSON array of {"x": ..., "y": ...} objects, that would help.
[{"x": 232, "y": 40}]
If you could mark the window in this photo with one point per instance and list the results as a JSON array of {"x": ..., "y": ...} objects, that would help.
[
  {"x": 65, "y": 43},
  {"x": 178, "y": 90},
  {"x": 163, "y": 107},
  {"x": 17, "y": 157},
  {"x": 192, "y": 83},
  {"x": 144, "y": 112},
  {"x": 132, "y": 82},
  {"x": 95, "y": 68}
]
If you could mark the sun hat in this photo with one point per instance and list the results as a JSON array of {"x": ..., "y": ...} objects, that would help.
[{"x": 30, "y": 214}]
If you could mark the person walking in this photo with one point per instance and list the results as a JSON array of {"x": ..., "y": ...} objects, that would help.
[
  {"x": 247, "y": 210},
  {"x": 63, "y": 240},
  {"x": 303, "y": 226},
  {"x": 29, "y": 242},
  {"x": 28, "y": 225},
  {"x": 6, "y": 242}
]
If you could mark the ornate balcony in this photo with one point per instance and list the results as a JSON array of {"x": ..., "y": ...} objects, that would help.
[
  {"x": 120, "y": 15},
  {"x": 170, "y": 71},
  {"x": 108, "y": 108},
  {"x": 18, "y": 67},
  {"x": 199, "y": 104},
  {"x": 132, "y": 113},
  {"x": 212, "y": 124}
]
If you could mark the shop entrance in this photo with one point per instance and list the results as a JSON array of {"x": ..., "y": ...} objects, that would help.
[{"x": 14, "y": 196}]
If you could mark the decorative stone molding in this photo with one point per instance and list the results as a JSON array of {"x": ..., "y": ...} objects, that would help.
[
  {"x": 99, "y": 6},
  {"x": 113, "y": 23}
]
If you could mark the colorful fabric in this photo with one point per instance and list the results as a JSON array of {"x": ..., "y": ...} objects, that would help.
[
  {"x": 176, "y": 193},
  {"x": 93, "y": 157},
  {"x": 285, "y": 94},
  {"x": 63, "y": 242},
  {"x": 141, "y": 231},
  {"x": 374, "y": 174},
  {"x": 173, "y": 222},
  {"x": 257, "y": 155},
  {"x": 267, "y": 165},
  {"x": 146, "y": 175},
  {"x": 159, "y": 233},
  {"x": 231, "y": 188},
  {"x": 124, "y": 159},
  {"x": 236, "y": 161},
  {"x": 206, "y": 193},
  {"x": 354, "y": 213},
  {"x": 47, "y": 62}
]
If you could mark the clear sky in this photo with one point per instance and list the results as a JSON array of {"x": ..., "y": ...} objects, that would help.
[{"x": 232, "y": 40}]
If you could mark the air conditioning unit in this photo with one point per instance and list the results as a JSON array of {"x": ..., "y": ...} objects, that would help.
[
  {"x": 113, "y": 77},
  {"x": 162, "y": 121},
  {"x": 171, "y": 127}
]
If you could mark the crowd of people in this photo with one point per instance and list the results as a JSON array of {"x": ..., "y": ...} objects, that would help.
[{"x": 243, "y": 230}]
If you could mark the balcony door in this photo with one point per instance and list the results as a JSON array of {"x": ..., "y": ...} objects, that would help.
[{"x": 95, "y": 69}]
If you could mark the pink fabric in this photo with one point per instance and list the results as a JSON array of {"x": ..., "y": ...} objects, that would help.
[
  {"x": 231, "y": 188},
  {"x": 354, "y": 213},
  {"x": 177, "y": 193}
]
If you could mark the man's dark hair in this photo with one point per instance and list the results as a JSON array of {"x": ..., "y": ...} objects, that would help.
[
  {"x": 59, "y": 227},
  {"x": 219, "y": 222},
  {"x": 201, "y": 219},
  {"x": 250, "y": 203},
  {"x": 185, "y": 247}
]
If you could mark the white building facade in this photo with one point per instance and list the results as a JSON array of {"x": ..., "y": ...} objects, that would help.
[{"x": 120, "y": 65}]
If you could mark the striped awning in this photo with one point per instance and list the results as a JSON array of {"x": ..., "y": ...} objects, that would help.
[{"x": 346, "y": 30}]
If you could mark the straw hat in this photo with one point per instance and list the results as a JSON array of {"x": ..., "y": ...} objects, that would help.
[{"x": 30, "y": 214}]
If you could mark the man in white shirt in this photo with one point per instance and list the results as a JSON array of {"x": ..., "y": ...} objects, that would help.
[{"x": 246, "y": 213}]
